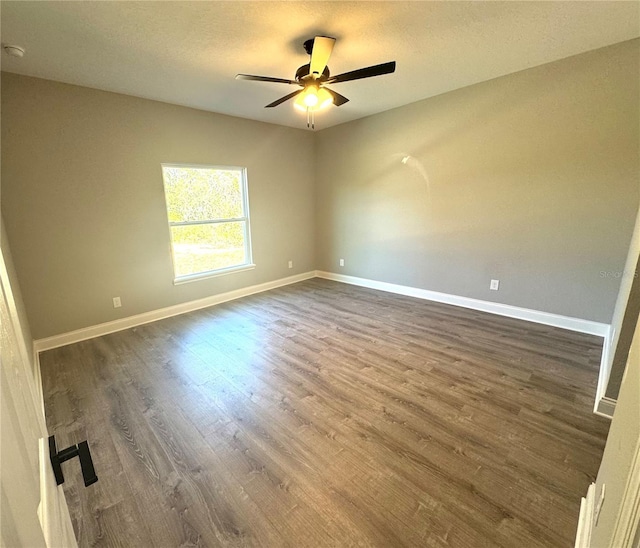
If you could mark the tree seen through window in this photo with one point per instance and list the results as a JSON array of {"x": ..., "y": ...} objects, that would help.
[{"x": 208, "y": 218}]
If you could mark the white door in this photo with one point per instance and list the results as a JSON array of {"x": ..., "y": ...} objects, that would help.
[{"x": 33, "y": 508}]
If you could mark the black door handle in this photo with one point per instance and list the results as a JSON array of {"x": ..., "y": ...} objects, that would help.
[{"x": 81, "y": 451}]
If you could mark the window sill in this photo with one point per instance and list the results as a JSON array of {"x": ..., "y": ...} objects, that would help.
[{"x": 212, "y": 274}]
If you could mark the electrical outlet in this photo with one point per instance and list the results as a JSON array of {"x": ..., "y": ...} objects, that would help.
[
  {"x": 495, "y": 285},
  {"x": 117, "y": 303},
  {"x": 341, "y": 262},
  {"x": 290, "y": 264}
]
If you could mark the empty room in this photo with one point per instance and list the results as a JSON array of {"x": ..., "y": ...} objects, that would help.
[{"x": 320, "y": 274}]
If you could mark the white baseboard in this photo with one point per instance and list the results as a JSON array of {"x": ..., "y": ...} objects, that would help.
[
  {"x": 83, "y": 334},
  {"x": 527, "y": 314},
  {"x": 38, "y": 378},
  {"x": 53, "y": 511},
  {"x": 603, "y": 406},
  {"x": 585, "y": 522}
]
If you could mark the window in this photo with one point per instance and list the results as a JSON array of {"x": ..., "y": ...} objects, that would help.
[{"x": 208, "y": 211}]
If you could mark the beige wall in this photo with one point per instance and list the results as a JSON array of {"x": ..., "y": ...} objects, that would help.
[
  {"x": 532, "y": 178},
  {"x": 83, "y": 202}
]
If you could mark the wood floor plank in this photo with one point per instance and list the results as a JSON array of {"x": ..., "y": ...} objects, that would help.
[{"x": 321, "y": 414}]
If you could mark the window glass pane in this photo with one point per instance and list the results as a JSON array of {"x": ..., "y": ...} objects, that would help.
[
  {"x": 199, "y": 194},
  {"x": 202, "y": 248}
]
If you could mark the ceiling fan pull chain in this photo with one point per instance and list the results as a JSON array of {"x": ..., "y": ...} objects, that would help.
[{"x": 313, "y": 119}]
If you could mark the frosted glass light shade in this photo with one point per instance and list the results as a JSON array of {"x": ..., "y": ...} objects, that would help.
[{"x": 313, "y": 99}]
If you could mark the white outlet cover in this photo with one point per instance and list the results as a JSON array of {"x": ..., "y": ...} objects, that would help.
[
  {"x": 341, "y": 262},
  {"x": 495, "y": 285},
  {"x": 117, "y": 303}
]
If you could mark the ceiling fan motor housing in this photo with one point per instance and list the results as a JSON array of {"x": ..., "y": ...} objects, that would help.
[{"x": 302, "y": 73}]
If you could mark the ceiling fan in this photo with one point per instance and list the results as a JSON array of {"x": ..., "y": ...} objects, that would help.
[{"x": 314, "y": 76}]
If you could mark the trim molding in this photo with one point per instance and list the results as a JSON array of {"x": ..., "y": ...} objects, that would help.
[
  {"x": 63, "y": 339},
  {"x": 38, "y": 374},
  {"x": 585, "y": 522},
  {"x": 603, "y": 405},
  {"x": 527, "y": 314},
  {"x": 53, "y": 511},
  {"x": 627, "y": 524}
]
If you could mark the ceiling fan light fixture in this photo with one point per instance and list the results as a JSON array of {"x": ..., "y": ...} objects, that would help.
[
  {"x": 299, "y": 105},
  {"x": 324, "y": 99},
  {"x": 310, "y": 96},
  {"x": 313, "y": 98},
  {"x": 308, "y": 99}
]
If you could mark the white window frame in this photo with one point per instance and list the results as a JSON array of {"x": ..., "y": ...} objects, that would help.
[{"x": 249, "y": 264}]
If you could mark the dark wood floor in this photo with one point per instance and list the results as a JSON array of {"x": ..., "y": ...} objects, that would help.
[{"x": 322, "y": 414}]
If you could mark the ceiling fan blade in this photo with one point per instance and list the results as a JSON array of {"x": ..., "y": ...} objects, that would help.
[
  {"x": 368, "y": 72},
  {"x": 322, "y": 48},
  {"x": 285, "y": 98},
  {"x": 265, "y": 79},
  {"x": 337, "y": 98}
]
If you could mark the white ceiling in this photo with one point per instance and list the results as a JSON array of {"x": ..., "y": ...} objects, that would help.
[{"x": 188, "y": 53}]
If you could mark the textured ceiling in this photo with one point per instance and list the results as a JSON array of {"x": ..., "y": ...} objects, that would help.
[{"x": 188, "y": 53}]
